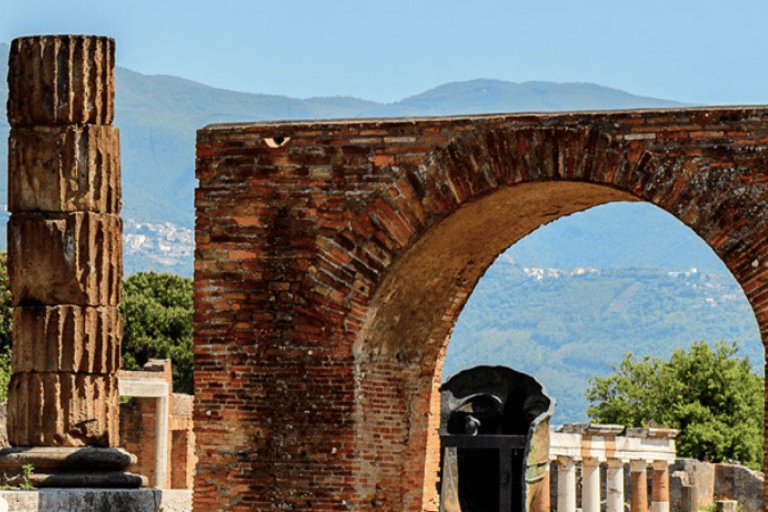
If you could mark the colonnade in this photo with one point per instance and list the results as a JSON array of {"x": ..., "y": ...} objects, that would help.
[{"x": 593, "y": 445}]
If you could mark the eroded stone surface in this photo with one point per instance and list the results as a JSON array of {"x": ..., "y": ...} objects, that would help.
[
  {"x": 66, "y": 338},
  {"x": 63, "y": 409},
  {"x": 64, "y": 169},
  {"x": 54, "y": 80},
  {"x": 73, "y": 258}
]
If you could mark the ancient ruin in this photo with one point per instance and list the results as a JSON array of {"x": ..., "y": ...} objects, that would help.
[
  {"x": 65, "y": 262},
  {"x": 333, "y": 258}
]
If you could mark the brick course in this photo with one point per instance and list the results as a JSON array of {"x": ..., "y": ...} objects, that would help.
[{"x": 333, "y": 259}]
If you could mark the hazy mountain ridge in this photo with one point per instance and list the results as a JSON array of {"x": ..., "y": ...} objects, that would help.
[
  {"x": 562, "y": 304},
  {"x": 158, "y": 117}
]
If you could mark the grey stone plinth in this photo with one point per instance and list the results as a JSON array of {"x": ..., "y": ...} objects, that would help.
[{"x": 98, "y": 500}]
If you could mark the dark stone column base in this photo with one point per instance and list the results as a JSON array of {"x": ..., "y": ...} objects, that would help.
[{"x": 84, "y": 467}]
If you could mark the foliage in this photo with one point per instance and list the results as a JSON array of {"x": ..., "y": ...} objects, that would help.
[
  {"x": 6, "y": 311},
  {"x": 712, "y": 397},
  {"x": 157, "y": 310},
  {"x": 6, "y": 324}
]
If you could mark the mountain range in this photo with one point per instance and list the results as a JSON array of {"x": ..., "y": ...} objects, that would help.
[{"x": 563, "y": 304}]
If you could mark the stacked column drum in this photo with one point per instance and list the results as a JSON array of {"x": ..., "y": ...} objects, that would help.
[{"x": 64, "y": 242}]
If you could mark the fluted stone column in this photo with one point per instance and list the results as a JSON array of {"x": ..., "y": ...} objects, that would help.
[
  {"x": 614, "y": 486},
  {"x": 638, "y": 486},
  {"x": 660, "y": 489},
  {"x": 566, "y": 484},
  {"x": 64, "y": 242}
]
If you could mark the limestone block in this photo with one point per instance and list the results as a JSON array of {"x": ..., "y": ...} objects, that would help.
[
  {"x": 64, "y": 169},
  {"x": 73, "y": 258},
  {"x": 55, "y": 80},
  {"x": 66, "y": 338},
  {"x": 63, "y": 409}
]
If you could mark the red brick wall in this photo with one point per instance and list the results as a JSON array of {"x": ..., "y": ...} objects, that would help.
[{"x": 334, "y": 257}]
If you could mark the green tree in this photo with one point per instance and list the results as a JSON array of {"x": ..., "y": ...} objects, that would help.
[
  {"x": 157, "y": 311},
  {"x": 712, "y": 397},
  {"x": 6, "y": 324}
]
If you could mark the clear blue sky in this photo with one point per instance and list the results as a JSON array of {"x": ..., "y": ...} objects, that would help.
[{"x": 696, "y": 51}]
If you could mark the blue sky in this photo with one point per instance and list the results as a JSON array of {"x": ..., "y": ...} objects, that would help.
[{"x": 701, "y": 51}]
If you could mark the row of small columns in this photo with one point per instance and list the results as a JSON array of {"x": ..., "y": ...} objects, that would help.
[
  {"x": 590, "y": 470},
  {"x": 594, "y": 444}
]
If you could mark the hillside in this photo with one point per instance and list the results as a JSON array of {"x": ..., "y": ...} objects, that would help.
[{"x": 563, "y": 304}]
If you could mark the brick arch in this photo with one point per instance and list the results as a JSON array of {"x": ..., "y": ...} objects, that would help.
[{"x": 330, "y": 269}]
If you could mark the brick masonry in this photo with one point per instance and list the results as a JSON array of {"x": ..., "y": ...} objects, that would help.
[{"x": 333, "y": 259}]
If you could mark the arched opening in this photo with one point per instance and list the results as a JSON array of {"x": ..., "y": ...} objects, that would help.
[
  {"x": 565, "y": 302},
  {"x": 419, "y": 303}
]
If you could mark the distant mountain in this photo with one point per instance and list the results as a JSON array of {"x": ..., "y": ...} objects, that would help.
[
  {"x": 563, "y": 304},
  {"x": 491, "y": 96}
]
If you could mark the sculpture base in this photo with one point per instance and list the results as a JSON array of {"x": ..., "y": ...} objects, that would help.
[
  {"x": 84, "y": 467},
  {"x": 99, "y": 500}
]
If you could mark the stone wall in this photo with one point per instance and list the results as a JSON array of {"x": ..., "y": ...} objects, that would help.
[
  {"x": 713, "y": 482},
  {"x": 333, "y": 259}
]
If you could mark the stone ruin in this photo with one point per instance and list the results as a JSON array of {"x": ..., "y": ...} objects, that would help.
[
  {"x": 311, "y": 244},
  {"x": 65, "y": 263}
]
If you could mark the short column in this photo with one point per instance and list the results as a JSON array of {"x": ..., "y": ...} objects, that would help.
[
  {"x": 638, "y": 486},
  {"x": 660, "y": 489},
  {"x": 614, "y": 486},
  {"x": 566, "y": 484},
  {"x": 590, "y": 491}
]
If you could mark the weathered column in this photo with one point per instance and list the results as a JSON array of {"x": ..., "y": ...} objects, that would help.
[
  {"x": 614, "y": 486},
  {"x": 64, "y": 243},
  {"x": 660, "y": 489},
  {"x": 566, "y": 484},
  {"x": 638, "y": 486},
  {"x": 590, "y": 490}
]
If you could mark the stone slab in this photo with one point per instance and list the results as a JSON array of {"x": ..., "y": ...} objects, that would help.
[
  {"x": 98, "y": 500},
  {"x": 63, "y": 79},
  {"x": 66, "y": 338},
  {"x": 63, "y": 409},
  {"x": 64, "y": 169},
  {"x": 73, "y": 258}
]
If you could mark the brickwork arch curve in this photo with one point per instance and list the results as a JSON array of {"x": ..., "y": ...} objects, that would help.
[{"x": 366, "y": 238}]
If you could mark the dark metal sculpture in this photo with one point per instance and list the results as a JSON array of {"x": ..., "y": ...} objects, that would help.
[{"x": 494, "y": 435}]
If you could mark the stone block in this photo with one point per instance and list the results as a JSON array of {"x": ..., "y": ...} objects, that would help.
[
  {"x": 67, "y": 79},
  {"x": 98, "y": 500},
  {"x": 66, "y": 338},
  {"x": 73, "y": 258},
  {"x": 64, "y": 169},
  {"x": 63, "y": 409}
]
